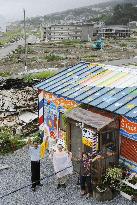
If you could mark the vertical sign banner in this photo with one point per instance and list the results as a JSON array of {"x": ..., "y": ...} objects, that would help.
[
  {"x": 52, "y": 120},
  {"x": 41, "y": 113},
  {"x": 89, "y": 139},
  {"x": 128, "y": 128}
]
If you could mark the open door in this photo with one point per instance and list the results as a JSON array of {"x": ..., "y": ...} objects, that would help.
[{"x": 76, "y": 141}]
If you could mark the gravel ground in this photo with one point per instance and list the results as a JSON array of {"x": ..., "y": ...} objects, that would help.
[{"x": 18, "y": 175}]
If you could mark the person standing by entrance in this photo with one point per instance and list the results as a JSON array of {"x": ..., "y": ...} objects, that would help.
[
  {"x": 34, "y": 149},
  {"x": 85, "y": 174}
]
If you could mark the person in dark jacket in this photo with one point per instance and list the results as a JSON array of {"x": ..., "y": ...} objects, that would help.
[{"x": 85, "y": 174}]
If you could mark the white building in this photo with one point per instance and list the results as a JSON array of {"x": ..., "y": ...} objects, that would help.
[
  {"x": 68, "y": 32},
  {"x": 114, "y": 31},
  {"x": 133, "y": 24}
]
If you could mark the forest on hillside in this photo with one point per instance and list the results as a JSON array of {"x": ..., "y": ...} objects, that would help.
[
  {"x": 111, "y": 12},
  {"x": 123, "y": 14}
]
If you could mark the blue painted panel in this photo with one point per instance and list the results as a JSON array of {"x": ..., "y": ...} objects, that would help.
[
  {"x": 65, "y": 89},
  {"x": 129, "y": 106},
  {"x": 58, "y": 85},
  {"x": 89, "y": 99},
  {"x": 71, "y": 83},
  {"x": 70, "y": 77},
  {"x": 88, "y": 93},
  {"x": 106, "y": 98},
  {"x": 64, "y": 77},
  {"x": 132, "y": 113},
  {"x": 115, "y": 97},
  {"x": 121, "y": 101},
  {"x": 72, "y": 90},
  {"x": 112, "y": 96},
  {"x": 88, "y": 71},
  {"x": 70, "y": 80}
]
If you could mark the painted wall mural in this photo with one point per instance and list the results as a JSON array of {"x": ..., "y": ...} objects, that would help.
[
  {"x": 128, "y": 145},
  {"x": 52, "y": 108},
  {"x": 128, "y": 128}
]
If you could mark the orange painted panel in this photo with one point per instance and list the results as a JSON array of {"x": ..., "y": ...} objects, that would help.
[{"x": 128, "y": 149}]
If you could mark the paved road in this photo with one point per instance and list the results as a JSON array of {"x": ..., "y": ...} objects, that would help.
[
  {"x": 8, "y": 49},
  {"x": 122, "y": 62}
]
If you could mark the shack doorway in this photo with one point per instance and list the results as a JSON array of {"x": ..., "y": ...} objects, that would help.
[{"x": 76, "y": 143}]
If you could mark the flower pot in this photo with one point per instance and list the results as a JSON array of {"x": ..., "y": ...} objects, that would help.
[
  {"x": 115, "y": 193},
  {"x": 135, "y": 198},
  {"x": 103, "y": 195},
  {"x": 129, "y": 197}
]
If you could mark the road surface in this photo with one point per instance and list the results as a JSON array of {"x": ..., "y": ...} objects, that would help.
[{"x": 8, "y": 49}]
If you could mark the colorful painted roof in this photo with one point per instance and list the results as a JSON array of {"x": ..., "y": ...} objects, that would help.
[{"x": 107, "y": 87}]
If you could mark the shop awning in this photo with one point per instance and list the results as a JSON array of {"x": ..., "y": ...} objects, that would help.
[{"x": 89, "y": 118}]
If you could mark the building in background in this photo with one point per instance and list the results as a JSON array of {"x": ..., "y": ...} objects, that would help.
[
  {"x": 133, "y": 24},
  {"x": 114, "y": 31},
  {"x": 60, "y": 32}
]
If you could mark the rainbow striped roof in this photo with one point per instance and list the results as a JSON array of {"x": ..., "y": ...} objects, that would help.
[{"x": 106, "y": 87}]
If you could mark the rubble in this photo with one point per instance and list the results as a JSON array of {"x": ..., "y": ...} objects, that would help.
[
  {"x": 3, "y": 166},
  {"x": 18, "y": 106}
]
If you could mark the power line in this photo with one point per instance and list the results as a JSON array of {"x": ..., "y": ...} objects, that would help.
[
  {"x": 14, "y": 191},
  {"x": 25, "y": 40}
]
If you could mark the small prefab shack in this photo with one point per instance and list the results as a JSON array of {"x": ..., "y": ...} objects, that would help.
[{"x": 107, "y": 92}]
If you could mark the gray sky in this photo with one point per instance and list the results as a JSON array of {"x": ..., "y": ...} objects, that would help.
[{"x": 13, "y": 8}]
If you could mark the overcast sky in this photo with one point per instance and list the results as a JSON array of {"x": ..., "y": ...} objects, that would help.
[{"x": 13, "y": 8}]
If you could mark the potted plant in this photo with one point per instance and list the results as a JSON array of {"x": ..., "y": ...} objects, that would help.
[
  {"x": 127, "y": 192},
  {"x": 110, "y": 184},
  {"x": 133, "y": 180},
  {"x": 113, "y": 179},
  {"x": 102, "y": 192}
]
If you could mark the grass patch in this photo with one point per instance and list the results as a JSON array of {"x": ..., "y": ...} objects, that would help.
[
  {"x": 70, "y": 42},
  {"x": 50, "y": 58},
  {"x": 11, "y": 36},
  {"x": 40, "y": 76},
  {"x": 8, "y": 141},
  {"x": 5, "y": 74}
]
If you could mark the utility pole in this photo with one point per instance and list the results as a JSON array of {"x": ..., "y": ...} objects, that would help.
[{"x": 25, "y": 40}]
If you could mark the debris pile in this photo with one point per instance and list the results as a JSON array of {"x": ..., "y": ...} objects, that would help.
[{"x": 18, "y": 107}]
